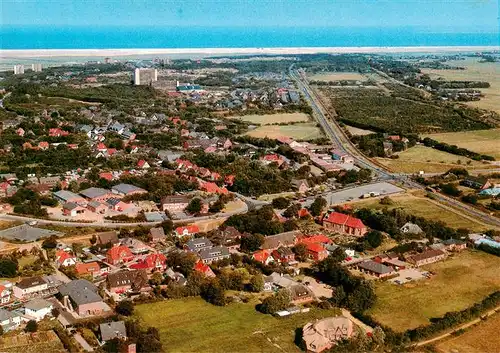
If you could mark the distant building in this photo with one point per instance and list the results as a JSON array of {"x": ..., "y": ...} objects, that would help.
[
  {"x": 427, "y": 257},
  {"x": 36, "y": 67},
  {"x": 144, "y": 76},
  {"x": 344, "y": 224},
  {"x": 323, "y": 334},
  {"x": 18, "y": 69}
]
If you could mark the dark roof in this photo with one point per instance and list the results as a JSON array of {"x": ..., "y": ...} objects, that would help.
[
  {"x": 107, "y": 237},
  {"x": 157, "y": 233},
  {"x": 426, "y": 255},
  {"x": 81, "y": 292},
  {"x": 282, "y": 239},
  {"x": 175, "y": 199},
  {"x": 114, "y": 329},
  {"x": 375, "y": 267},
  {"x": 453, "y": 242},
  {"x": 92, "y": 192},
  {"x": 216, "y": 251},
  {"x": 37, "y": 304},
  {"x": 135, "y": 278},
  {"x": 31, "y": 282},
  {"x": 127, "y": 188}
]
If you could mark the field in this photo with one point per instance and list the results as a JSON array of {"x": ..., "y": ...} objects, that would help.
[
  {"x": 45, "y": 341},
  {"x": 460, "y": 281},
  {"x": 480, "y": 141},
  {"x": 192, "y": 325},
  {"x": 357, "y": 131},
  {"x": 304, "y": 131},
  {"x": 429, "y": 160},
  {"x": 478, "y": 339},
  {"x": 337, "y": 76},
  {"x": 475, "y": 71},
  {"x": 267, "y": 119},
  {"x": 424, "y": 207}
]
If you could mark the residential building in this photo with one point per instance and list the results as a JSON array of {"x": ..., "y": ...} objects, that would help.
[
  {"x": 300, "y": 294},
  {"x": 198, "y": 244},
  {"x": 119, "y": 254},
  {"x": 36, "y": 67},
  {"x": 426, "y": 257},
  {"x": 480, "y": 183},
  {"x": 5, "y": 293},
  {"x": 301, "y": 185},
  {"x": 283, "y": 255},
  {"x": 127, "y": 280},
  {"x": 127, "y": 190},
  {"x": 216, "y": 253},
  {"x": 111, "y": 330},
  {"x": 375, "y": 269},
  {"x": 151, "y": 263},
  {"x": 187, "y": 230},
  {"x": 316, "y": 251},
  {"x": 64, "y": 259},
  {"x": 29, "y": 287},
  {"x": 454, "y": 245},
  {"x": 88, "y": 269},
  {"x": 18, "y": 69},
  {"x": 323, "y": 334},
  {"x": 145, "y": 76},
  {"x": 135, "y": 245},
  {"x": 37, "y": 309},
  {"x": 157, "y": 234},
  {"x": 344, "y": 224},
  {"x": 9, "y": 320},
  {"x": 411, "y": 228},
  {"x": 174, "y": 203},
  {"x": 82, "y": 297},
  {"x": 287, "y": 239},
  {"x": 263, "y": 256},
  {"x": 142, "y": 164},
  {"x": 204, "y": 269},
  {"x": 105, "y": 238}
]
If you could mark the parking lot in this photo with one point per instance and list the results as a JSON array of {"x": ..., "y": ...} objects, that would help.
[{"x": 408, "y": 275}]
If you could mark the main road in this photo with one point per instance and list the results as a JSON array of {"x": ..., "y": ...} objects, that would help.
[{"x": 333, "y": 130}]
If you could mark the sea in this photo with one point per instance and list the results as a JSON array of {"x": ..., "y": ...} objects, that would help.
[{"x": 46, "y": 37}]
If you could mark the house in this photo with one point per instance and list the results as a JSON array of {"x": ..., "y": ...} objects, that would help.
[
  {"x": 198, "y": 244},
  {"x": 105, "y": 238},
  {"x": 72, "y": 209},
  {"x": 9, "y": 320},
  {"x": 314, "y": 239},
  {"x": 50, "y": 181},
  {"x": 316, "y": 251},
  {"x": 454, "y": 245},
  {"x": 4, "y": 294},
  {"x": 97, "y": 194},
  {"x": 283, "y": 255},
  {"x": 20, "y": 132},
  {"x": 323, "y": 334},
  {"x": 111, "y": 330},
  {"x": 43, "y": 145},
  {"x": 82, "y": 297},
  {"x": 263, "y": 256},
  {"x": 300, "y": 294},
  {"x": 119, "y": 254},
  {"x": 339, "y": 155},
  {"x": 411, "y": 228},
  {"x": 127, "y": 280},
  {"x": 64, "y": 259},
  {"x": 37, "y": 309},
  {"x": 344, "y": 224},
  {"x": 118, "y": 205},
  {"x": 187, "y": 230},
  {"x": 65, "y": 196},
  {"x": 301, "y": 185},
  {"x": 156, "y": 234},
  {"x": 174, "y": 203},
  {"x": 57, "y": 132},
  {"x": 477, "y": 182},
  {"x": 88, "y": 269},
  {"x": 97, "y": 207},
  {"x": 127, "y": 189},
  {"x": 272, "y": 158},
  {"x": 176, "y": 277},
  {"x": 204, "y": 269},
  {"x": 375, "y": 269},
  {"x": 426, "y": 257},
  {"x": 142, "y": 164},
  {"x": 7, "y": 190},
  {"x": 152, "y": 262},
  {"x": 135, "y": 245},
  {"x": 155, "y": 216},
  {"x": 216, "y": 253},
  {"x": 287, "y": 239},
  {"x": 29, "y": 287}
]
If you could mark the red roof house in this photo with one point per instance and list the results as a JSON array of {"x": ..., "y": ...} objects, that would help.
[
  {"x": 64, "y": 259},
  {"x": 151, "y": 263},
  {"x": 316, "y": 251},
  {"x": 344, "y": 224},
  {"x": 57, "y": 132},
  {"x": 187, "y": 230},
  {"x": 204, "y": 269},
  {"x": 89, "y": 268},
  {"x": 263, "y": 256},
  {"x": 143, "y": 164},
  {"x": 44, "y": 145},
  {"x": 119, "y": 254}
]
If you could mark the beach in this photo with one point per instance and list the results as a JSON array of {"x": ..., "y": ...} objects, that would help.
[{"x": 49, "y": 53}]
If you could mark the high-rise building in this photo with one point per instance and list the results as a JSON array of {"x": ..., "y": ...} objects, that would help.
[
  {"x": 145, "y": 76},
  {"x": 37, "y": 67},
  {"x": 18, "y": 69}
]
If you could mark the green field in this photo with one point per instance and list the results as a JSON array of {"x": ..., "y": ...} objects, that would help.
[
  {"x": 300, "y": 131},
  {"x": 460, "y": 281},
  {"x": 192, "y": 325}
]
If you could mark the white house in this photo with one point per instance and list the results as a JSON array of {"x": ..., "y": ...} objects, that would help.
[
  {"x": 37, "y": 309},
  {"x": 9, "y": 320},
  {"x": 64, "y": 259},
  {"x": 4, "y": 294},
  {"x": 29, "y": 286}
]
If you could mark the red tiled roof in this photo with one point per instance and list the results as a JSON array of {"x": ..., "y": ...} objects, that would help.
[
  {"x": 343, "y": 219},
  {"x": 315, "y": 247},
  {"x": 261, "y": 256},
  {"x": 89, "y": 267},
  {"x": 203, "y": 268},
  {"x": 61, "y": 256},
  {"x": 315, "y": 239},
  {"x": 191, "y": 229},
  {"x": 118, "y": 252},
  {"x": 106, "y": 175}
]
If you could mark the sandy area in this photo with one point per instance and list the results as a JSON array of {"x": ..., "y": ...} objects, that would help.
[
  {"x": 273, "y": 118},
  {"x": 337, "y": 76}
]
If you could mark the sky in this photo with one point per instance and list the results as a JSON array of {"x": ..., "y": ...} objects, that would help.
[{"x": 425, "y": 15}]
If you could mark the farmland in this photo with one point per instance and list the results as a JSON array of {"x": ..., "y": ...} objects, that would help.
[
  {"x": 428, "y": 209},
  {"x": 475, "y": 71},
  {"x": 480, "y": 141},
  {"x": 337, "y": 76},
  {"x": 477, "y": 339},
  {"x": 45, "y": 341},
  {"x": 192, "y": 325},
  {"x": 266, "y": 119},
  {"x": 451, "y": 289},
  {"x": 301, "y": 131}
]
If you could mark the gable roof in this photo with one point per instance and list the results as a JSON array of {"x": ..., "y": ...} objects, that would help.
[
  {"x": 127, "y": 188},
  {"x": 107, "y": 237},
  {"x": 282, "y": 239},
  {"x": 343, "y": 219},
  {"x": 81, "y": 291},
  {"x": 93, "y": 192},
  {"x": 30, "y": 282},
  {"x": 117, "y": 252},
  {"x": 114, "y": 329},
  {"x": 157, "y": 233},
  {"x": 137, "y": 279}
]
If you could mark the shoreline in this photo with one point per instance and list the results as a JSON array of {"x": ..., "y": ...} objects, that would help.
[{"x": 41, "y": 53}]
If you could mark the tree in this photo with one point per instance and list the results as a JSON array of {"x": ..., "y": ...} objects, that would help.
[
  {"x": 167, "y": 226},
  {"x": 8, "y": 268},
  {"x": 149, "y": 343},
  {"x": 1, "y": 330},
  {"x": 114, "y": 345},
  {"x": 318, "y": 206},
  {"x": 256, "y": 284},
  {"x": 194, "y": 206},
  {"x": 386, "y": 200},
  {"x": 93, "y": 240},
  {"x": 277, "y": 302},
  {"x": 300, "y": 251},
  {"x": 251, "y": 242},
  {"x": 77, "y": 248},
  {"x": 213, "y": 293},
  {"x": 450, "y": 189},
  {"x": 281, "y": 203},
  {"x": 50, "y": 242},
  {"x": 31, "y": 326},
  {"x": 156, "y": 278},
  {"x": 374, "y": 238},
  {"x": 55, "y": 312},
  {"x": 125, "y": 308},
  {"x": 292, "y": 210}
]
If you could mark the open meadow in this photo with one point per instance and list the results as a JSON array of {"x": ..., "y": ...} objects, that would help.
[
  {"x": 301, "y": 131},
  {"x": 429, "y": 160},
  {"x": 193, "y": 325},
  {"x": 425, "y": 207},
  {"x": 266, "y": 119},
  {"x": 474, "y": 71},
  {"x": 480, "y": 141},
  {"x": 337, "y": 76},
  {"x": 460, "y": 281},
  {"x": 478, "y": 339}
]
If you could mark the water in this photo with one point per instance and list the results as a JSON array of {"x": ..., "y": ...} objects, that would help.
[{"x": 31, "y": 37}]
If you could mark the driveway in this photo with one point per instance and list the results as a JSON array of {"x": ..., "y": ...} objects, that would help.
[{"x": 319, "y": 289}]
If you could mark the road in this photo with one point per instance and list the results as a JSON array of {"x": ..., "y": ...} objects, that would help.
[{"x": 333, "y": 130}]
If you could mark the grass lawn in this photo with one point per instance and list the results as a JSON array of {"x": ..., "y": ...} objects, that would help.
[
  {"x": 273, "y": 118},
  {"x": 301, "y": 131},
  {"x": 460, "y": 281},
  {"x": 480, "y": 141},
  {"x": 192, "y": 325},
  {"x": 424, "y": 207},
  {"x": 429, "y": 160},
  {"x": 26, "y": 260},
  {"x": 478, "y": 339},
  {"x": 337, "y": 76}
]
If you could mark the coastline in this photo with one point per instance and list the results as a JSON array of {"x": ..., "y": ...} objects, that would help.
[{"x": 42, "y": 53}]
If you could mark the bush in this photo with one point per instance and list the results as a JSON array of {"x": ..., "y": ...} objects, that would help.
[
  {"x": 125, "y": 308},
  {"x": 8, "y": 268},
  {"x": 281, "y": 203},
  {"x": 31, "y": 326}
]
